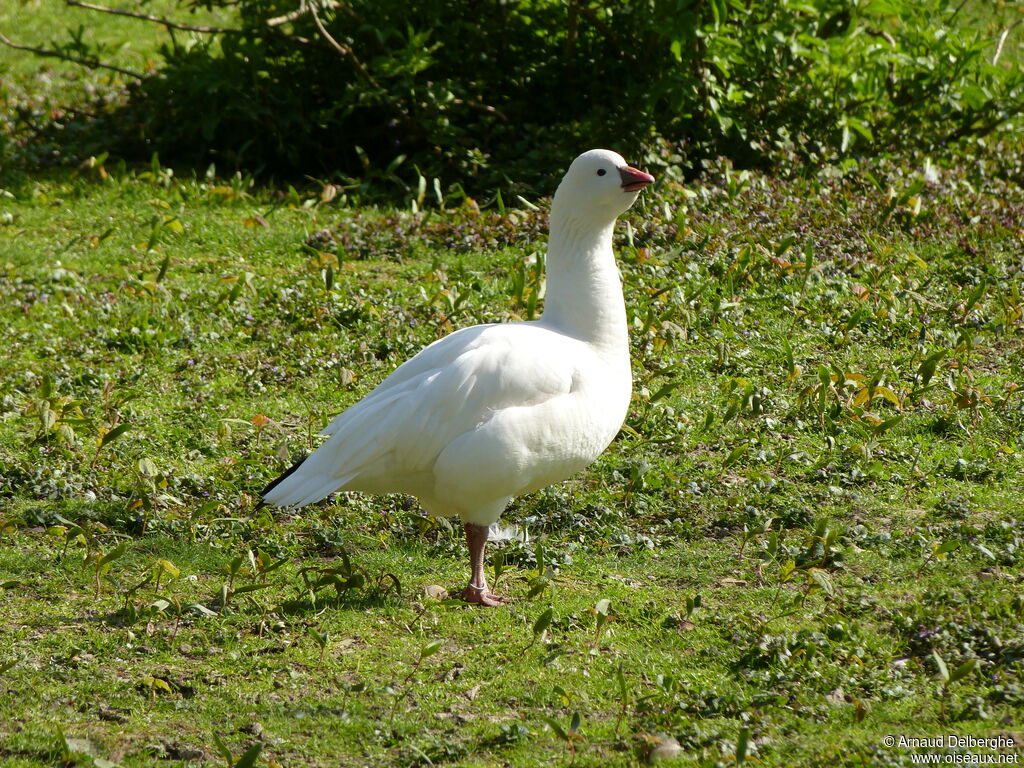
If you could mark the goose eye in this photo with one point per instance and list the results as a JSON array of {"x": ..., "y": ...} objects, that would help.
[{"x": 601, "y": 172}]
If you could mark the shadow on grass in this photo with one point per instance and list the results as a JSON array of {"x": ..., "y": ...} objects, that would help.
[{"x": 130, "y": 614}]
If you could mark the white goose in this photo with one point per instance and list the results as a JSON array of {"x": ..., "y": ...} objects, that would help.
[{"x": 495, "y": 411}]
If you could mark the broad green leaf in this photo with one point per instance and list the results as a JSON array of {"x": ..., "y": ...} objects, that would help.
[
  {"x": 889, "y": 395},
  {"x": 620, "y": 680},
  {"x": 888, "y": 424},
  {"x": 742, "y": 744},
  {"x": 168, "y": 567},
  {"x": 431, "y": 648},
  {"x": 940, "y": 550},
  {"x": 163, "y": 269},
  {"x": 113, "y": 554},
  {"x": 158, "y": 683},
  {"x": 248, "y": 760},
  {"x": 223, "y": 749},
  {"x": 943, "y": 670},
  {"x": 555, "y": 726},
  {"x": 48, "y": 418},
  {"x": 927, "y": 368},
  {"x": 963, "y": 670},
  {"x": 823, "y": 580},
  {"x": 975, "y": 296},
  {"x": 537, "y": 586},
  {"x": 735, "y": 454},
  {"x": 543, "y": 621},
  {"x": 321, "y": 638},
  {"x": 113, "y": 434}
]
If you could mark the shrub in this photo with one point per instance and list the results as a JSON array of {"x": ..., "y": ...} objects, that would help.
[{"x": 484, "y": 91}]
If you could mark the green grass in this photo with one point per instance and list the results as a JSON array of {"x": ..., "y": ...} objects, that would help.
[
  {"x": 824, "y": 447},
  {"x": 119, "y": 40},
  {"x": 832, "y": 548}
]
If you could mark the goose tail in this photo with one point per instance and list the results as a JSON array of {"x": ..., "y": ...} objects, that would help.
[
  {"x": 297, "y": 486},
  {"x": 279, "y": 479}
]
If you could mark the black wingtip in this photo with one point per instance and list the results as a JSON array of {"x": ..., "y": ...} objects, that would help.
[{"x": 277, "y": 480}]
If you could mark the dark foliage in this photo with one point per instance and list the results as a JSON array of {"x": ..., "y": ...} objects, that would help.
[{"x": 488, "y": 93}]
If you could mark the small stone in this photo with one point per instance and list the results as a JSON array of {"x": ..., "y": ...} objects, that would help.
[{"x": 435, "y": 591}]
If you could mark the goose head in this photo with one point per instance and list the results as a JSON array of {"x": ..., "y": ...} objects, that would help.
[{"x": 599, "y": 185}]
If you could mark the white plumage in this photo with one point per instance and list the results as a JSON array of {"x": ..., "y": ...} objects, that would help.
[{"x": 494, "y": 411}]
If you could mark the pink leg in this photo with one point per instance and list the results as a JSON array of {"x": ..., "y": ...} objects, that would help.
[{"x": 476, "y": 591}]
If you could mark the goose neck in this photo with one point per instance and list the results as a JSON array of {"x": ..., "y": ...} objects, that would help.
[{"x": 583, "y": 297}]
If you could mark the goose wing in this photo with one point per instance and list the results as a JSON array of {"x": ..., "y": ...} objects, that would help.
[{"x": 390, "y": 440}]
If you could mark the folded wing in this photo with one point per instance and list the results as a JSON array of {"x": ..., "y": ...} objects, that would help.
[{"x": 390, "y": 440}]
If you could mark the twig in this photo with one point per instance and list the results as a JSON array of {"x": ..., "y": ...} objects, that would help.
[
  {"x": 156, "y": 19},
  {"x": 304, "y": 8},
  {"x": 350, "y": 56},
  {"x": 90, "y": 63},
  {"x": 570, "y": 38},
  {"x": 172, "y": 25},
  {"x": 291, "y": 16},
  {"x": 606, "y": 31},
  {"x": 884, "y": 35},
  {"x": 609, "y": 35},
  {"x": 603, "y": 28},
  {"x": 481, "y": 107},
  {"x": 986, "y": 128},
  {"x": 1002, "y": 41},
  {"x": 344, "y": 50}
]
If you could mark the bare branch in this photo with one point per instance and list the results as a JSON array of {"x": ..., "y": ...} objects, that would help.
[
  {"x": 155, "y": 19},
  {"x": 984, "y": 129},
  {"x": 344, "y": 50},
  {"x": 361, "y": 71},
  {"x": 958, "y": 9},
  {"x": 884, "y": 35},
  {"x": 171, "y": 25},
  {"x": 481, "y": 107},
  {"x": 1002, "y": 41},
  {"x": 291, "y": 16},
  {"x": 90, "y": 63},
  {"x": 570, "y": 38}
]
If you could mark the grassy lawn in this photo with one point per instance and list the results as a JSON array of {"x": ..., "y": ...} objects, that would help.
[{"x": 808, "y": 536}]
